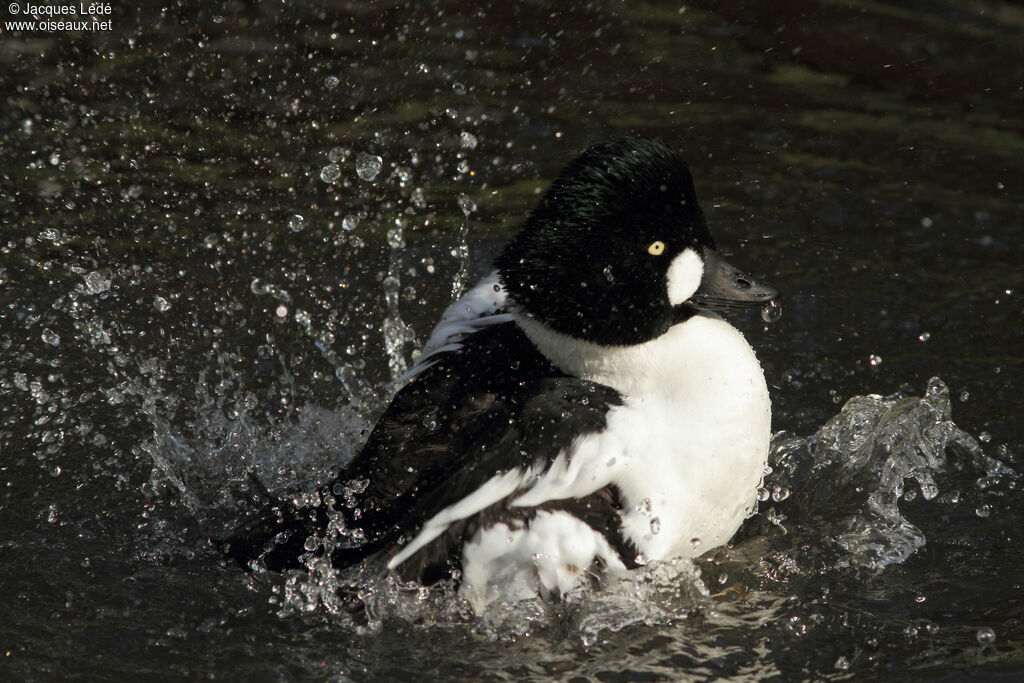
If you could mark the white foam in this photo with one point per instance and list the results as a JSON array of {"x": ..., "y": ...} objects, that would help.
[{"x": 553, "y": 552}]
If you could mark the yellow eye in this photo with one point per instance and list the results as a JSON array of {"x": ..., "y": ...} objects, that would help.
[{"x": 656, "y": 248}]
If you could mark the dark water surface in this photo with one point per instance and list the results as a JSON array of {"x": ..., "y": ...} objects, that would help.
[{"x": 203, "y": 275}]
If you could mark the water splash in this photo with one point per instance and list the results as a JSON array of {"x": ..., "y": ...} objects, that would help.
[
  {"x": 461, "y": 250},
  {"x": 397, "y": 334},
  {"x": 857, "y": 470},
  {"x": 833, "y": 504}
]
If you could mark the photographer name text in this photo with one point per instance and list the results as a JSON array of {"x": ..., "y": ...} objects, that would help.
[{"x": 81, "y": 9}]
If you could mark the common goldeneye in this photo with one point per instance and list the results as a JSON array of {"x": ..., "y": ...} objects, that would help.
[{"x": 583, "y": 409}]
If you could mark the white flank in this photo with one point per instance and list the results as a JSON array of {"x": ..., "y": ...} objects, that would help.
[
  {"x": 493, "y": 490},
  {"x": 591, "y": 463}
]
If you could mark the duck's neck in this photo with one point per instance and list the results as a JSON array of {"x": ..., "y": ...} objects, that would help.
[{"x": 704, "y": 350}]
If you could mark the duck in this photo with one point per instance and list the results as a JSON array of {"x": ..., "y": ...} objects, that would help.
[{"x": 585, "y": 409}]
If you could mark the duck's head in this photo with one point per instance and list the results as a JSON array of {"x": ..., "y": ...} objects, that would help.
[{"x": 617, "y": 250}]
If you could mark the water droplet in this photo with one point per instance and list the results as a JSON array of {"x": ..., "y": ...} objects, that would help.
[
  {"x": 695, "y": 543},
  {"x": 608, "y": 274},
  {"x": 332, "y": 81},
  {"x": 842, "y": 663},
  {"x": 780, "y": 493},
  {"x": 296, "y": 222},
  {"x": 644, "y": 508},
  {"x": 161, "y": 304},
  {"x": 983, "y": 511},
  {"x": 984, "y": 437},
  {"x": 763, "y": 494},
  {"x": 771, "y": 311},
  {"x": 467, "y": 205},
  {"x": 640, "y": 560},
  {"x": 655, "y": 526},
  {"x": 330, "y": 173},
  {"x": 467, "y": 140},
  {"x": 97, "y": 282},
  {"x": 875, "y": 359},
  {"x": 985, "y": 635},
  {"x": 924, "y": 336},
  {"x": 396, "y": 238},
  {"x": 50, "y": 337},
  {"x": 338, "y": 154},
  {"x": 281, "y": 311},
  {"x": 964, "y": 395},
  {"x": 459, "y": 88},
  {"x": 368, "y": 165},
  {"x": 53, "y": 235},
  {"x": 418, "y": 199},
  {"x": 927, "y": 222},
  {"x": 349, "y": 222}
]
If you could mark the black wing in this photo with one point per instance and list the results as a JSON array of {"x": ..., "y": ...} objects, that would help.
[{"x": 492, "y": 406}]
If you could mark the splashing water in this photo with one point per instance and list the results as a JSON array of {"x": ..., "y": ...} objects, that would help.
[
  {"x": 397, "y": 334},
  {"x": 461, "y": 250},
  {"x": 835, "y": 502},
  {"x": 857, "y": 469},
  {"x": 832, "y": 504}
]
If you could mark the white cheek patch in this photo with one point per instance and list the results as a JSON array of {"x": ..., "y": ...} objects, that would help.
[{"x": 684, "y": 276}]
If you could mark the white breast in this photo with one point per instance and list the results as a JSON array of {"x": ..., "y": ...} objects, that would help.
[{"x": 688, "y": 447}]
